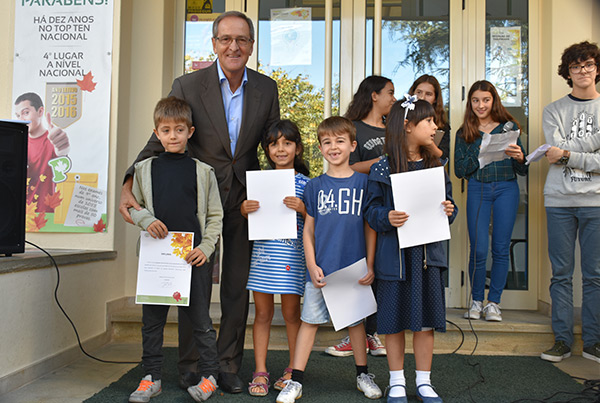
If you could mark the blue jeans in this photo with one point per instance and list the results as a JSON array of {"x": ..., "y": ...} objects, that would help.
[
  {"x": 564, "y": 224},
  {"x": 499, "y": 200}
]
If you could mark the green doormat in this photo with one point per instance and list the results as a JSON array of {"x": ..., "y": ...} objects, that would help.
[{"x": 333, "y": 379}]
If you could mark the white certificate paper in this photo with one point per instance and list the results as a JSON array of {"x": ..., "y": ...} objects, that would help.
[
  {"x": 420, "y": 195},
  {"x": 493, "y": 146},
  {"x": 346, "y": 300},
  {"x": 273, "y": 220},
  {"x": 163, "y": 275}
]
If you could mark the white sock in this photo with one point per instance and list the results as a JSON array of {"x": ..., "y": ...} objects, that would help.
[
  {"x": 397, "y": 378},
  {"x": 423, "y": 378}
]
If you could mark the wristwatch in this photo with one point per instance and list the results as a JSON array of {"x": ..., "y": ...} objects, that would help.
[{"x": 565, "y": 157}]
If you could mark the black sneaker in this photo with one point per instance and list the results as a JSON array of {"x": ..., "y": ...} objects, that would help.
[
  {"x": 558, "y": 351},
  {"x": 592, "y": 352}
]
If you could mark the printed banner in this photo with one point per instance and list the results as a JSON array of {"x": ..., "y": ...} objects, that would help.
[
  {"x": 291, "y": 36},
  {"x": 505, "y": 64},
  {"x": 199, "y": 6},
  {"x": 61, "y": 85}
]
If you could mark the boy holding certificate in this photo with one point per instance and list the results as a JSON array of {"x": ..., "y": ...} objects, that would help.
[
  {"x": 335, "y": 236},
  {"x": 180, "y": 193}
]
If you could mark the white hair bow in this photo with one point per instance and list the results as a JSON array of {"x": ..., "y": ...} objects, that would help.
[{"x": 409, "y": 104}]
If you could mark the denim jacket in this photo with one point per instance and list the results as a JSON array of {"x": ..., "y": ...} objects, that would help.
[{"x": 379, "y": 204}]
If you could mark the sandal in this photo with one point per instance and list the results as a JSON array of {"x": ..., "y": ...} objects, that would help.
[
  {"x": 279, "y": 385},
  {"x": 264, "y": 386}
]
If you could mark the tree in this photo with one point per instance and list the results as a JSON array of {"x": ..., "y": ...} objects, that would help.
[
  {"x": 303, "y": 104},
  {"x": 426, "y": 44}
]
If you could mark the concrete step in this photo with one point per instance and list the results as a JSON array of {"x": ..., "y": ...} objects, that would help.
[{"x": 520, "y": 332}]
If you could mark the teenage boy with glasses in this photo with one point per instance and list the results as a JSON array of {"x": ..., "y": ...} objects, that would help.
[{"x": 572, "y": 199}]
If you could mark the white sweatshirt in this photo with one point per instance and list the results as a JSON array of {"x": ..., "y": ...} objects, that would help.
[{"x": 573, "y": 125}]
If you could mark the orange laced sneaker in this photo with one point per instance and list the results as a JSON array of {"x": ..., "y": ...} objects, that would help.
[
  {"x": 147, "y": 389},
  {"x": 205, "y": 389}
]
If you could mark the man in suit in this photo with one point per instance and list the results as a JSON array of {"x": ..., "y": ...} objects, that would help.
[{"x": 232, "y": 107}]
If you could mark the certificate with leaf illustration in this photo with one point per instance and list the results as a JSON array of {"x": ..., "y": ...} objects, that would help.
[{"x": 164, "y": 277}]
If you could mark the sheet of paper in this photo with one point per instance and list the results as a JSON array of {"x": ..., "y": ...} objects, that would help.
[
  {"x": 493, "y": 146},
  {"x": 86, "y": 207},
  {"x": 273, "y": 220},
  {"x": 537, "y": 154},
  {"x": 163, "y": 275},
  {"x": 420, "y": 195},
  {"x": 346, "y": 300}
]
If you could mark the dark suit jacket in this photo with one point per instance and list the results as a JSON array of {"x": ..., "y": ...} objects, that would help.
[{"x": 210, "y": 141}]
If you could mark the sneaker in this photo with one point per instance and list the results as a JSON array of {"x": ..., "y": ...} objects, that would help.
[
  {"x": 592, "y": 352},
  {"x": 205, "y": 389},
  {"x": 366, "y": 384},
  {"x": 475, "y": 311},
  {"x": 147, "y": 389},
  {"x": 558, "y": 351},
  {"x": 343, "y": 349},
  {"x": 291, "y": 392},
  {"x": 376, "y": 347},
  {"x": 492, "y": 312}
]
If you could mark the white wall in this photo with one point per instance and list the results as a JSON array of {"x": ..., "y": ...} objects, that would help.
[{"x": 33, "y": 328}]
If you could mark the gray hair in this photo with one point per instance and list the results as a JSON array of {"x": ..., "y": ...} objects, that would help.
[{"x": 236, "y": 14}]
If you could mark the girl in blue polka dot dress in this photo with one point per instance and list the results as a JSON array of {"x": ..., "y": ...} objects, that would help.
[{"x": 410, "y": 294}]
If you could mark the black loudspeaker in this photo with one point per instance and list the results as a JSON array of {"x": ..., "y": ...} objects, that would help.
[{"x": 13, "y": 176}]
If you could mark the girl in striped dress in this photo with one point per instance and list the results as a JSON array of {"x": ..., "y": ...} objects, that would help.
[{"x": 277, "y": 266}]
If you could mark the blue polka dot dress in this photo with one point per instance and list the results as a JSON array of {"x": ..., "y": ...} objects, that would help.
[{"x": 417, "y": 302}]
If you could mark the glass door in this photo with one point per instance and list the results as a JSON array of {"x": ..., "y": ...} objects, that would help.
[
  {"x": 507, "y": 67},
  {"x": 414, "y": 39},
  {"x": 460, "y": 42}
]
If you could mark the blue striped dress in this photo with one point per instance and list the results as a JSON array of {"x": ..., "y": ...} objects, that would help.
[{"x": 278, "y": 266}]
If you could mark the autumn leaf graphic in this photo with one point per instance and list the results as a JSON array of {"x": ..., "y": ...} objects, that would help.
[
  {"x": 100, "y": 226},
  {"x": 87, "y": 84},
  {"x": 34, "y": 221},
  {"x": 40, "y": 221},
  {"x": 53, "y": 201},
  {"x": 42, "y": 178},
  {"x": 30, "y": 215},
  {"x": 182, "y": 244}
]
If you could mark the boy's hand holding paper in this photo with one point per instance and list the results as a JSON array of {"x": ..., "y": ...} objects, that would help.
[
  {"x": 538, "y": 153},
  {"x": 347, "y": 300},
  {"x": 164, "y": 276}
]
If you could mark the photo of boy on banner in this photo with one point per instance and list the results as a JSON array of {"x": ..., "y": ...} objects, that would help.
[{"x": 48, "y": 147}]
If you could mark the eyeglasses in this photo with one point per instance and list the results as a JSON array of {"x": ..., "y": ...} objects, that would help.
[
  {"x": 241, "y": 41},
  {"x": 577, "y": 68}
]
